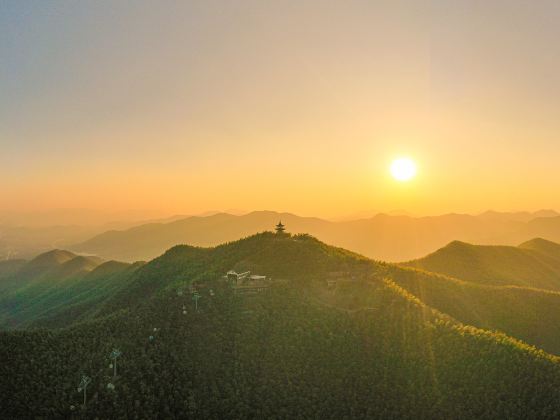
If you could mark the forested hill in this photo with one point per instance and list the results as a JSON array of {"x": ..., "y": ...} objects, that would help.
[
  {"x": 58, "y": 288},
  {"x": 529, "y": 314},
  {"x": 299, "y": 257},
  {"x": 359, "y": 347},
  {"x": 535, "y": 263}
]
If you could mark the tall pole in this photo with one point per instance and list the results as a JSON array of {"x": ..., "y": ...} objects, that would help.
[
  {"x": 86, "y": 380},
  {"x": 114, "y": 356},
  {"x": 195, "y": 297}
]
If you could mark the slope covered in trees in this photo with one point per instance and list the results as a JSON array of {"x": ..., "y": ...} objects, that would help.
[
  {"x": 549, "y": 248},
  {"x": 283, "y": 355},
  {"x": 297, "y": 257},
  {"x": 534, "y": 264},
  {"x": 531, "y": 315},
  {"x": 363, "y": 348},
  {"x": 7, "y": 269},
  {"x": 58, "y": 288}
]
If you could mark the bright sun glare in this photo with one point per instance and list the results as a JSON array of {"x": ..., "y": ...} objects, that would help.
[{"x": 403, "y": 169}]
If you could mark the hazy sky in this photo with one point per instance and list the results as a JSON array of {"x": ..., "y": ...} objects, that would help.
[{"x": 283, "y": 105}]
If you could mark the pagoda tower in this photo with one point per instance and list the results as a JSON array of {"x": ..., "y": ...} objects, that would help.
[{"x": 280, "y": 228}]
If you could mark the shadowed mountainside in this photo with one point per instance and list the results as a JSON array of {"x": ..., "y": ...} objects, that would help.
[{"x": 57, "y": 284}]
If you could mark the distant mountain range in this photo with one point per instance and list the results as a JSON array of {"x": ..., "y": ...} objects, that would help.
[
  {"x": 28, "y": 237},
  {"x": 383, "y": 237}
]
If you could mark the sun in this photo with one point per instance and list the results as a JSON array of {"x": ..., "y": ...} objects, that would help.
[{"x": 403, "y": 169}]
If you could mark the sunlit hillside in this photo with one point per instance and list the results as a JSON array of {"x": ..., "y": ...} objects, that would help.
[
  {"x": 525, "y": 313},
  {"x": 533, "y": 264}
]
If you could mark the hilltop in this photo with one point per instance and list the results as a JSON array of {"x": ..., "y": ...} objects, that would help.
[
  {"x": 296, "y": 257},
  {"x": 533, "y": 264},
  {"x": 552, "y": 249}
]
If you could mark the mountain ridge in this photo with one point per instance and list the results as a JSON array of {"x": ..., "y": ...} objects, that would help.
[
  {"x": 532, "y": 264},
  {"x": 382, "y": 237}
]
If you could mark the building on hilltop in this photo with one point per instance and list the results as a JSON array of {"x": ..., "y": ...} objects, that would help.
[
  {"x": 234, "y": 278},
  {"x": 280, "y": 228},
  {"x": 245, "y": 283}
]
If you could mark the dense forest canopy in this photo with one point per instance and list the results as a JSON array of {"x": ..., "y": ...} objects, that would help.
[{"x": 335, "y": 336}]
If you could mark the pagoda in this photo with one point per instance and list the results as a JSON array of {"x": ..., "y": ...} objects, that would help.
[{"x": 280, "y": 228}]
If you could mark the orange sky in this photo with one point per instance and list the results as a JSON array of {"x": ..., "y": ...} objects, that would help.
[{"x": 280, "y": 105}]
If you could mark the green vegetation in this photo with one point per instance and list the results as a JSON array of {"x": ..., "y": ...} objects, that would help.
[
  {"x": 510, "y": 289},
  {"x": 58, "y": 288},
  {"x": 296, "y": 257},
  {"x": 8, "y": 268},
  {"x": 531, "y": 315},
  {"x": 534, "y": 264},
  {"x": 280, "y": 355},
  {"x": 380, "y": 343}
]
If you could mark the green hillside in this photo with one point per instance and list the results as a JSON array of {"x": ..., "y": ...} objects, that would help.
[
  {"x": 85, "y": 298},
  {"x": 58, "y": 288},
  {"x": 531, "y": 315},
  {"x": 552, "y": 249},
  {"x": 7, "y": 269},
  {"x": 18, "y": 274},
  {"x": 295, "y": 257},
  {"x": 365, "y": 348},
  {"x": 534, "y": 264}
]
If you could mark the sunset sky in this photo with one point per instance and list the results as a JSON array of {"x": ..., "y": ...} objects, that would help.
[{"x": 294, "y": 106}]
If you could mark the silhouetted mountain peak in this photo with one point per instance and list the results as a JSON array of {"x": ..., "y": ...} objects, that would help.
[
  {"x": 109, "y": 267},
  {"x": 455, "y": 248},
  {"x": 546, "y": 213},
  {"x": 459, "y": 245},
  {"x": 80, "y": 263},
  {"x": 52, "y": 258},
  {"x": 542, "y": 245},
  {"x": 535, "y": 263}
]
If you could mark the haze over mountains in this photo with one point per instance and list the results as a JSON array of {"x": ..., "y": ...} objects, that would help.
[
  {"x": 382, "y": 237},
  {"x": 25, "y": 235}
]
